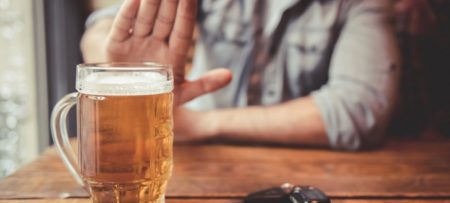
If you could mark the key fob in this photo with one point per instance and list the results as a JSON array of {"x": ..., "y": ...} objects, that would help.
[
  {"x": 271, "y": 195},
  {"x": 308, "y": 194},
  {"x": 288, "y": 193}
]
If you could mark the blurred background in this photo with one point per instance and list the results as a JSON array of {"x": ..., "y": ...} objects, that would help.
[{"x": 39, "y": 49}]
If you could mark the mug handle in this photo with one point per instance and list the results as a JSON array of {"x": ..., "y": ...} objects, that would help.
[{"x": 60, "y": 135}]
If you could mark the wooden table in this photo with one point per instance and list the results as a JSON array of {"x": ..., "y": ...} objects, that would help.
[{"x": 402, "y": 171}]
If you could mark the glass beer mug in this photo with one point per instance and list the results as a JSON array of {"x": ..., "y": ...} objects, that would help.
[{"x": 124, "y": 131}]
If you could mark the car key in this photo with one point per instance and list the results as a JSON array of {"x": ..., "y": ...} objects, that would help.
[
  {"x": 308, "y": 194},
  {"x": 287, "y": 193},
  {"x": 271, "y": 195}
]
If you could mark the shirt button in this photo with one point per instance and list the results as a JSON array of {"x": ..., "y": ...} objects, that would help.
[{"x": 255, "y": 78}]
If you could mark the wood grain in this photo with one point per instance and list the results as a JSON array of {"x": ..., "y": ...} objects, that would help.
[
  {"x": 226, "y": 201},
  {"x": 401, "y": 169}
]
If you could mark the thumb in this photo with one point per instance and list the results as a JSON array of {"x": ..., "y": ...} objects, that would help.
[{"x": 209, "y": 82}]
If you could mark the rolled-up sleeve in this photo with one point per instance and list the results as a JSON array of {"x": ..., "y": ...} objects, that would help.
[{"x": 359, "y": 97}]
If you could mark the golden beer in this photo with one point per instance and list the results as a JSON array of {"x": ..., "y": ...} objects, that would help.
[
  {"x": 124, "y": 131},
  {"x": 125, "y": 146}
]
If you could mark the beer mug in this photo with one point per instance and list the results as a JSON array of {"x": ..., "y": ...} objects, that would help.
[{"x": 124, "y": 131}]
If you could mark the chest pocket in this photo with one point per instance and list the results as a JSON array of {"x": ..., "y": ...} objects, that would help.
[
  {"x": 307, "y": 57},
  {"x": 225, "y": 35}
]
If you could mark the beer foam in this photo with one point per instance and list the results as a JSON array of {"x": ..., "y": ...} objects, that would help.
[{"x": 124, "y": 84}]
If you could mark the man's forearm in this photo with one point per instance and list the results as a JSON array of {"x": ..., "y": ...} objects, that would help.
[
  {"x": 294, "y": 122},
  {"x": 93, "y": 41}
]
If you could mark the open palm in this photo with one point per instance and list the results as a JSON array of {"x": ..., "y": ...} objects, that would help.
[
  {"x": 161, "y": 31},
  {"x": 153, "y": 30}
]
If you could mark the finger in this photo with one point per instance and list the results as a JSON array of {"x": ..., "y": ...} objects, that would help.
[
  {"x": 165, "y": 19},
  {"x": 181, "y": 36},
  {"x": 146, "y": 17},
  {"x": 211, "y": 81},
  {"x": 120, "y": 30}
]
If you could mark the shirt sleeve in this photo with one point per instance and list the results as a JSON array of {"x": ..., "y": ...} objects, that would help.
[
  {"x": 108, "y": 12},
  {"x": 359, "y": 97}
]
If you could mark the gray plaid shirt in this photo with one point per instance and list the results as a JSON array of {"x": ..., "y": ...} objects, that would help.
[{"x": 343, "y": 53}]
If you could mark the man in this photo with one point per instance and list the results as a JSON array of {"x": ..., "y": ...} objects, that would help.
[{"x": 320, "y": 73}]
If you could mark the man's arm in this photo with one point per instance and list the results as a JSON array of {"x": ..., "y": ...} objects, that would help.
[
  {"x": 349, "y": 112},
  {"x": 294, "y": 122},
  {"x": 93, "y": 41}
]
